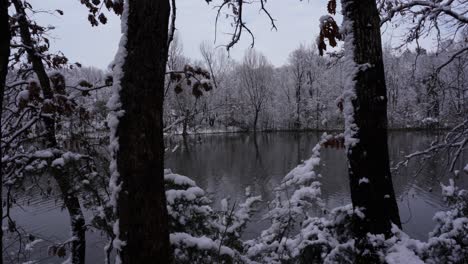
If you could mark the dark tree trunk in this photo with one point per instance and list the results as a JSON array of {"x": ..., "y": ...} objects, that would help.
[
  {"x": 142, "y": 208},
  {"x": 369, "y": 157},
  {"x": 298, "y": 105},
  {"x": 317, "y": 109},
  {"x": 185, "y": 124},
  {"x": 77, "y": 221},
  {"x": 255, "y": 121},
  {"x": 317, "y": 116},
  {"x": 71, "y": 200},
  {"x": 4, "y": 56}
]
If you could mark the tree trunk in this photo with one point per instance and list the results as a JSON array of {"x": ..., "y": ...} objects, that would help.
[
  {"x": 185, "y": 124},
  {"x": 369, "y": 170},
  {"x": 77, "y": 221},
  {"x": 143, "y": 219},
  {"x": 255, "y": 121},
  {"x": 317, "y": 116},
  {"x": 298, "y": 105},
  {"x": 4, "y": 56},
  {"x": 317, "y": 109},
  {"x": 71, "y": 200},
  {"x": 38, "y": 68}
]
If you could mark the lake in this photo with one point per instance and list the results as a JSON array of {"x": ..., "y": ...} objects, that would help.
[{"x": 225, "y": 164}]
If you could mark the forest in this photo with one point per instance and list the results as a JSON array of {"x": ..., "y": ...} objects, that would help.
[{"x": 352, "y": 150}]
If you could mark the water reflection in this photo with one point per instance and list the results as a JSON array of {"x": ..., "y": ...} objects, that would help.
[{"x": 225, "y": 164}]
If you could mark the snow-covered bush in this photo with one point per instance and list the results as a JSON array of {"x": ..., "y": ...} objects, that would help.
[
  {"x": 448, "y": 242},
  {"x": 200, "y": 234},
  {"x": 187, "y": 205},
  {"x": 290, "y": 214}
]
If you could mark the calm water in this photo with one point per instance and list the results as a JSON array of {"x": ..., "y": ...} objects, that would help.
[{"x": 224, "y": 165}]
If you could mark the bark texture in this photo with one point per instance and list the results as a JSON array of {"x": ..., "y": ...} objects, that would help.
[
  {"x": 4, "y": 56},
  {"x": 369, "y": 158},
  {"x": 142, "y": 208},
  {"x": 77, "y": 221}
]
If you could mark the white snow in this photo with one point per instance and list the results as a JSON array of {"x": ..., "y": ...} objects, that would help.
[
  {"x": 429, "y": 120},
  {"x": 363, "y": 180},
  {"x": 43, "y": 154},
  {"x": 178, "y": 179},
  {"x": 448, "y": 190},
  {"x": 358, "y": 212},
  {"x": 351, "y": 71},
  {"x": 402, "y": 255},
  {"x": 22, "y": 96},
  {"x": 30, "y": 245},
  {"x": 304, "y": 173},
  {"x": 202, "y": 243},
  {"x": 224, "y": 205},
  {"x": 114, "y": 105},
  {"x": 190, "y": 194},
  {"x": 60, "y": 162}
]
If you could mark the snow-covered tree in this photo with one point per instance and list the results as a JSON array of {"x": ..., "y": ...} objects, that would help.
[{"x": 256, "y": 75}]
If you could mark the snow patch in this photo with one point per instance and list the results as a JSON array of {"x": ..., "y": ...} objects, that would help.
[
  {"x": 363, "y": 180},
  {"x": 351, "y": 71}
]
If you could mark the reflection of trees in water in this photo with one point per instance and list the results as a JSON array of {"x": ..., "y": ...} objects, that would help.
[
  {"x": 418, "y": 184},
  {"x": 261, "y": 176},
  {"x": 225, "y": 164},
  {"x": 426, "y": 173}
]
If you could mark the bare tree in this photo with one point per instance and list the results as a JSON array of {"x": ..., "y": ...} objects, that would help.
[
  {"x": 209, "y": 57},
  {"x": 298, "y": 64},
  {"x": 255, "y": 79},
  {"x": 446, "y": 19}
]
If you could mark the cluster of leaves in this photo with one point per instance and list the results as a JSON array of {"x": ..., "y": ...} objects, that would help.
[
  {"x": 40, "y": 43},
  {"x": 331, "y": 7},
  {"x": 195, "y": 78},
  {"x": 63, "y": 104},
  {"x": 26, "y": 159},
  {"x": 96, "y": 15},
  {"x": 329, "y": 30},
  {"x": 57, "y": 250},
  {"x": 36, "y": 115}
]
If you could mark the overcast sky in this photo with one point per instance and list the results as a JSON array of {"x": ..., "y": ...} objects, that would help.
[{"x": 297, "y": 23}]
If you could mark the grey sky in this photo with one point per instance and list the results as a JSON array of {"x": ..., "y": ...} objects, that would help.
[{"x": 297, "y": 23}]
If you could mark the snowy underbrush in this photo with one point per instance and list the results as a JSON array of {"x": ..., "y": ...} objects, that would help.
[{"x": 200, "y": 234}]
